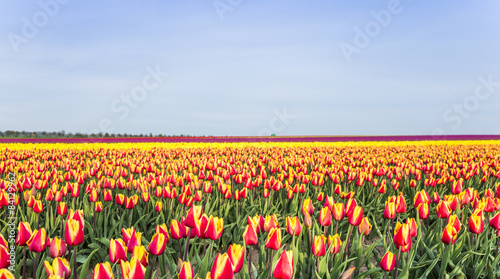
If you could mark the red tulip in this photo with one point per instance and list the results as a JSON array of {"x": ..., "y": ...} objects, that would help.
[
  {"x": 141, "y": 255},
  {"x": 158, "y": 244},
  {"x": 334, "y": 244},
  {"x": 6, "y": 274},
  {"x": 388, "y": 261},
  {"x": 193, "y": 215},
  {"x": 60, "y": 267},
  {"x": 293, "y": 226},
  {"x": 365, "y": 227},
  {"x": 132, "y": 270},
  {"x": 57, "y": 248},
  {"x": 73, "y": 234},
  {"x": 222, "y": 267},
  {"x": 23, "y": 233},
  {"x": 273, "y": 240},
  {"x": 356, "y": 216},
  {"x": 284, "y": 266},
  {"x": 495, "y": 221},
  {"x": 4, "y": 256},
  {"x": 443, "y": 209},
  {"x": 318, "y": 245},
  {"x": 186, "y": 271},
  {"x": 325, "y": 217},
  {"x": 103, "y": 271},
  {"x": 402, "y": 234},
  {"x": 62, "y": 208},
  {"x": 338, "y": 211},
  {"x": 177, "y": 230},
  {"x": 449, "y": 235},
  {"x": 236, "y": 254},
  {"x": 215, "y": 228},
  {"x": 476, "y": 224},
  {"x": 250, "y": 235},
  {"x": 423, "y": 211},
  {"x": 37, "y": 242},
  {"x": 390, "y": 210},
  {"x": 117, "y": 250}
]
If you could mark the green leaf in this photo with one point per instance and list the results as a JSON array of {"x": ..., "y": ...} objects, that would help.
[{"x": 85, "y": 267}]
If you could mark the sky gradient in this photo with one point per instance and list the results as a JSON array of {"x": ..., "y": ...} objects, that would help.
[{"x": 249, "y": 68}]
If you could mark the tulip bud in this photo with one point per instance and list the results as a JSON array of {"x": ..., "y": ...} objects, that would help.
[
  {"x": 23, "y": 233},
  {"x": 390, "y": 210},
  {"x": 476, "y": 224},
  {"x": 73, "y": 234},
  {"x": 60, "y": 267},
  {"x": 334, "y": 244},
  {"x": 365, "y": 227},
  {"x": 158, "y": 244},
  {"x": 318, "y": 246},
  {"x": 273, "y": 240},
  {"x": 222, "y": 267},
  {"x": 495, "y": 221},
  {"x": 250, "y": 235},
  {"x": 37, "y": 242},
  {"x": 141, "y": 255},
  {"x": 215, "y": 228},
  {"x": 236, "y": 254},
  {"x": 423, "y": 211},
  {"x": 117, "y": 250},
  {"x": 449, "y": 235},
  {"x": 293, "y": 226},
  {"x": 186, "y": 271},
  {"x": 177, "y": 230},
  {"x": 388, "y": 261},
  {"x": 134, "y": 269},
  {"x": 4, "y": 256},
  {"x": 338, "y": 211},
  {"x": 356, "y": 216},
  {"x": 284, "y": 266},
  {"x": 103, "y": 271},
  {"x": 57, "y": 248}
]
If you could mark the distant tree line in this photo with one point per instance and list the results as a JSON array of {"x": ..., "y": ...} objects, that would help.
[{"x": 63, "y": 134}]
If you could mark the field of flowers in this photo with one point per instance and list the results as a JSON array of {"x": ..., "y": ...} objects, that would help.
[{"x": 419, "y": 209}]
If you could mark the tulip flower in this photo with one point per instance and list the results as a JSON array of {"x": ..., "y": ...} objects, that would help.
[
  {"x": 318, "y": 245},
  {"x": 4, "y": 256},
  {"x": 453, "y": 221},
  {"x": 222, "y": 267},
  {"x": 59, "y": 267},
  {"x": 186, "y": 271},
  {"x": 120, "y": 199},
  {"x": 177, "y": 230},
  {"x": 62, "y": 208},
  {"x": 307, "y": 220},
  {"x": 159, "y": 206},
  {"x": 365, "y": 227},
  {"x": 76, "y": 215},
  {"x": 132, "y": 270},
  {"x": 400, "y": 204},
  {"x": 449, "y": 235},
  {"x": 334, "y": 244},
  {"x": 293, "y": 226},
  {"x": 57, "y": 248},
  {"x": 134, "y": 241},
  {"x": 338, "y": 211},
  {"x": 307, "y": 206},
  {"x": 141, "y": 255},
  {"x": 127, "y": 234},
  {"x": 250, "y": 235},
  {"x": 273, "y": 240},
  {"x": 270, "y": 222},
  {"x": 423, "y": 211},
  {"x": 402, "y": 234},
  {"x": 23, "y": 233},
  {"x": 436, "y": 198},
  {"x": 201, "y": 228},
  {"x": 325, "y": 217},
  {"x": 194, "y": 212},
  {"x": 495, "y": 221},
  {"x": 107, "y": 195},
  {"x": 349, "y": 206},
  {"x": 37, "y": 242},
  {"x": 6, "y": 274},
  {"x": 390, "y": 210},
  {"x": 73, "y": 234},
  {"x": 129, "y": 203},
  {"x": 412, "y": 227},
  {"x": 388, "y": 261},
  {"x": 284, "y": 266},
  {"x": 158, "y": 244},
  {"x": 98, "y": 206},
  {"x": 443, "y": 209},
  {"x": 163, "y": 230},
  {"x": 236, "y": 254},
  {"x": 117, "y": 250},
  {"x": 356, "y": 216},
  {"x": 476, "y": 224},
  {"x": 103, "y": 271},
  {"x": 215, "y": 228},
  {"x": 321, "y": 196}
]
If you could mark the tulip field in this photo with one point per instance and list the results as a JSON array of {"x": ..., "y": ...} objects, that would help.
[{"x": 419, "y": 209}]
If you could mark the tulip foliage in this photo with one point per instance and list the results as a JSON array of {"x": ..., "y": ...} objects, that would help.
[{"x": 250, "y": 210}]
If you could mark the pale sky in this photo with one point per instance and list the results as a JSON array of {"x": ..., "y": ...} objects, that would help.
[{"x": 238, "y": 67}]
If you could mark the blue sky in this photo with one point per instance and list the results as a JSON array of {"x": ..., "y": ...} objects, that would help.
[{"x": 239, "y": 67}]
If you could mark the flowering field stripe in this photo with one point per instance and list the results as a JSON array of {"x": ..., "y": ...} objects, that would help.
[{"x": 256, "y": 139}]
